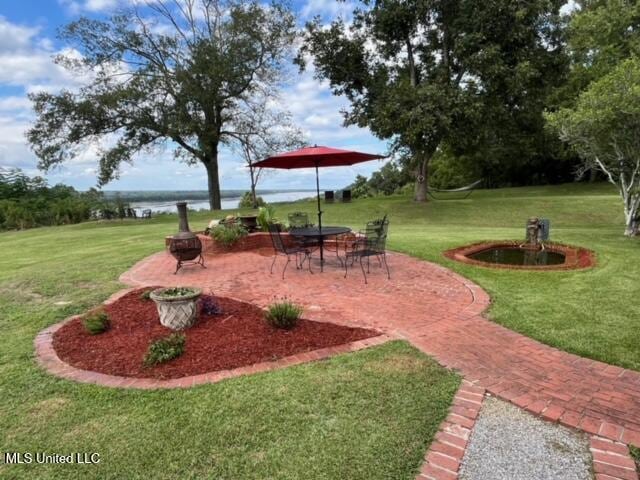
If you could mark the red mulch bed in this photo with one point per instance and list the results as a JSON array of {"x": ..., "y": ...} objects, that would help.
[{"x": 237, "y": 337}]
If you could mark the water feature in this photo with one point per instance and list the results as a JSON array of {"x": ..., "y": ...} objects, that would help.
[{"x": 518, "y": 256}]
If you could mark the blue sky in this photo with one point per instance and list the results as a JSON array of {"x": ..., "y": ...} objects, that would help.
[{"x": 28, "y": 42}]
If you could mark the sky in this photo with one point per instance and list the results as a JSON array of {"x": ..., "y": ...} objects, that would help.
[{"x": 28, "y": 41}]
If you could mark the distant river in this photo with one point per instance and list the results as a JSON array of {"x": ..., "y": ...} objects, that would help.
[{"x": 227, "y": 203}]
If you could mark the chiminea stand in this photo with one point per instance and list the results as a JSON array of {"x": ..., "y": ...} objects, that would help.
[{"x": 185, "y": 246}]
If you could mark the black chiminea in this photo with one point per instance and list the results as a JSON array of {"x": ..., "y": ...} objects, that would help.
[{"x": 185, "y": 246}]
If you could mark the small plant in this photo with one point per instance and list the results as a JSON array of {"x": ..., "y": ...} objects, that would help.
[
  {"x": 210, "y": 306},
  {"x": 266, "y": 216},
  {"x": 635, "y": 454},
  {"x": 165, "y": 349},
  {"x": 146, "y": 295},
  {"x": 178, "y": 292},
  {"x": 284, "y": 314},
  {"x": 228, "y": 234},
  {"x": 96, "y": 322}
]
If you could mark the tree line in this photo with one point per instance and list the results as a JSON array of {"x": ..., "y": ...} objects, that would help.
[{"x": 28, "y": 202}]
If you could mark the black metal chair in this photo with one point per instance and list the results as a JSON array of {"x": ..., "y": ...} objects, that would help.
[
  {"x": 301, "y": 220},
  {"x": 371, "y": 242},
  {"x": 281, "y": 249}
]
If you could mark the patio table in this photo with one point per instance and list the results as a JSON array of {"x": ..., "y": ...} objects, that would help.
[{"x": 320, "y": 234}]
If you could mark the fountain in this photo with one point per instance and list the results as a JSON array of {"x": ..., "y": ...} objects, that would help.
[{"x": 537, "y": 252}]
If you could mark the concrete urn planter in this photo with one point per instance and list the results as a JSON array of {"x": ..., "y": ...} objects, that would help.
[{"x": 177, "y": 306}]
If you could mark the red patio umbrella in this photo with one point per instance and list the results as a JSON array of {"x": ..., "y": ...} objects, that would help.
[{"x": 316, "y": 157}]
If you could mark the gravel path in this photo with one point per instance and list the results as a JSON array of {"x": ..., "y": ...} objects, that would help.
[{"x": 510, "y": 444}]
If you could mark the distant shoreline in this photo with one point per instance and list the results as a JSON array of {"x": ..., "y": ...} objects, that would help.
[{"x": 176, "y": 195}]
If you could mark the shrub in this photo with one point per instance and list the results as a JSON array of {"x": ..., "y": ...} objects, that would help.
[
  {"x": 283, "y": 314},
  {"x": 165, "y": 349},
  {"x": 228, "y": 234},
  {"x": 146, "y": 295},
  {"x": 635, "y": 454},
  {"x": 173, "y": 292},
  {"x": 96, "y": 322},
  {"x": 210, "y": 306},
  {"x": 266, "y": 216},
  {"x": 246, "y": 201}
]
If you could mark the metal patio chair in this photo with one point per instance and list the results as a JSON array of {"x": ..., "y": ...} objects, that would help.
[
  {"x": 371, "y": 242},
  {"x": 301, "y": 220},
  {"x": 281, "y": 249}
]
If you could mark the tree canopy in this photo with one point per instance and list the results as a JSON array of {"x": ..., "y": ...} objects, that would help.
[
  {"x": 180, "y": 71},
  {"x": 604, "y": 128},
  {"x": 422, "y": 73}
]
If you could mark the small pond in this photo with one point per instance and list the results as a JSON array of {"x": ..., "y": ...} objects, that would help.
[{"x": 518, "y": 256}]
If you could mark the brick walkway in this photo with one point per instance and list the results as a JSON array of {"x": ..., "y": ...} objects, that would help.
[{"x": 440, "y": 313}]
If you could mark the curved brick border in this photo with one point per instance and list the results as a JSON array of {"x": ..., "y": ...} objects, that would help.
[
  {"x": 444, "y": 456},
  {"x": 575, "y": 257},
  {"x": 49, "y": 360}
]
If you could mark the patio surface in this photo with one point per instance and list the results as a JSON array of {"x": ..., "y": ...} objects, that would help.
[{"x": 439, "y": 312}]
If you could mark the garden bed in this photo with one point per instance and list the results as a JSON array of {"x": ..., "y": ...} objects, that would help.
[{"x": 237, "y": 337}]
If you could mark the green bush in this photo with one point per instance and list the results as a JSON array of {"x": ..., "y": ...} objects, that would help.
[
  {"x": 96, "y": 322},
  {"x": 635, "y": 454},
  {"x": 284, "y": 314},
  {"x": 266, "y": 216},
  {"x": 28, "y": 202},
  {"x": 165, "y": 349},
  {"x": 146, "y": 295},
  {"x": 247, "y": 201},
  {"x": 228, "y": 234}
]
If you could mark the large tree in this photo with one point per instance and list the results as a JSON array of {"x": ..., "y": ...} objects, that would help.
[
  {"x": 600, "y": 118},
  {"x": 604, "y": 128},
  {"x": 177, "y": 71},
  {"x": 423, "y": 72}
]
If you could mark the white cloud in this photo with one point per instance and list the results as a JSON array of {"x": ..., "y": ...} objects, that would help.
[
  {"x": 14, "y": 103},
  {"x": 327, "y": 8},
  {"x": 569, "y": 7},
  {"x": 100, "y": 5},
  {"x": 15, "y": 37}
]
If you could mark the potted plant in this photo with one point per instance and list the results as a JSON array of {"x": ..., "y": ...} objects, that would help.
[{"x": 177, "y": 306}]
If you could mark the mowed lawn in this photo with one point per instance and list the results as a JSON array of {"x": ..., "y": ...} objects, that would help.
[{"x": 366, "y": 415}]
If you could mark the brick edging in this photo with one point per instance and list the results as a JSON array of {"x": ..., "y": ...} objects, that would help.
[
  {"x": 611, "y": 460},
  {"x": 576, "y": 258},
  {"x": 444, "y": 457},
  {"x": 48, "y": 359}
]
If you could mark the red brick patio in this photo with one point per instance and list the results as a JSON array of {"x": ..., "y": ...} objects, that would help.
[{"x": 439, "y": 312}]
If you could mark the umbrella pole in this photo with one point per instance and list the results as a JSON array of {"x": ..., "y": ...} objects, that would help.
[{"x": 319, "y": 218}]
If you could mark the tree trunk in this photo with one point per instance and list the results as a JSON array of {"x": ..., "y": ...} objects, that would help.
[
  {"x": 422, "y": 174},
  {"x": 213, "y": 182},
  {"x": 254, "y": 199},
  {"x": 632, "y": 202}
]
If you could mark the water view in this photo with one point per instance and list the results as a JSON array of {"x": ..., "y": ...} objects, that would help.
[{"x": 227, "y": 203}]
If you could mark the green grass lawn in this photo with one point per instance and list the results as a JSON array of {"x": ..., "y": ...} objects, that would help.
[{"x": 365, "y": 415}]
